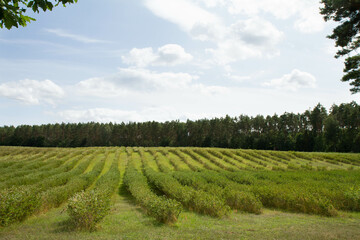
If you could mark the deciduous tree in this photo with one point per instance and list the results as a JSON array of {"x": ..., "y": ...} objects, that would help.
[
  {"x": 12, "y": 12},
  {"x": 346, "y": 36}
]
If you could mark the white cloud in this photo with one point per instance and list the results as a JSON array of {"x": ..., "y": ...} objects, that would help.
[
  {"x": 167, "y": 55},
  {"x": 256, "y": 31},
  {"x": 75, "y": 37},
  {"x": 32, "y": 91},
  {"x": 133, "y": 80},
  {"x": 305, "y": 11},
  {"x": 282, "y": 9},
  {"x": 191, "y": 18},
  {"x": 310, "y": 20},
  {"x": 98, "y": 115},
  {"x": 212, "y": 3},
  {"x": 105, "y": 115},
  {"x": 184, "y": 13},
  {"x": 251, "y": 38},
  {"x": 293, "y": 81},
  {"x": 100, "y": 87}
]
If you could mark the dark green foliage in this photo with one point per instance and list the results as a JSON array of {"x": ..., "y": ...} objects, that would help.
[
  {"x": 346, "y": 35},
  {"x": 12, "y": 12},
  {"x": 314, "y": 130}
]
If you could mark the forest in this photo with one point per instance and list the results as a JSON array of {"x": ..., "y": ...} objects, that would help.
[{"x": 317, "y": 129}]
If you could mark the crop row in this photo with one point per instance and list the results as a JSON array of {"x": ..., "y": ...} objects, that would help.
[
  {"x": 215, "y": 185},
  {"x": 87, "y": 208},
  {"x": 233, "y": 160},
  {"x": 161, "y": 208},
  {"x": 41, "y": 165},
  {"x": 54, "y": 167},
  {"x": 302, "y": 191},
  {"x": 196, "y": 200},
  {"x": 19, "y": 202}
]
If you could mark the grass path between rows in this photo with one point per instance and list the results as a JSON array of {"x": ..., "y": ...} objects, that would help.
[{"x": 128, "y": 221}]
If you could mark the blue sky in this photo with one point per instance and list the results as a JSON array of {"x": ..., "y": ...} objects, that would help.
[{"x": 164, "y": 60}]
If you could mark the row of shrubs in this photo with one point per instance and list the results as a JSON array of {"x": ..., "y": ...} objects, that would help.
[
  {"x": 161, "y": 208},
  {"x": 235, "y": 196},
  {"x": 184, "y": 158},
  {"x": 36, "y": 176},
  {"x": 64, "y": 186},
  {"x": 303, "y": 191},
  {"x": 225, "y": 158},
  {"x": 240, "y": 159},
  {"x": 41, "y": 164},
  {"x": 205, "y": 154},
  {"x": 11, "y": 165},
  {"x": 196, "y": 200},
  {"x": 87, "y": 208},
  {"x": 172, "y": 161},
  {"x": 217, "y": 185},
  {"x": 19, "y": 202},
  {"x": 275, "y": 193},
  {"x": 194, "y": 156}
]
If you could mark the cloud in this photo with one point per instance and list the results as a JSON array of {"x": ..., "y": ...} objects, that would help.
[
  {"x": 251, "y": 38},
  {"x": 281, "y": 9},
  {"x": 293, "y": 81},
  {"x": 212, "y": 3},
  {"x": 184, "y": 13},
  {"x": 75, "y": 37},
  {"x": 167, "y": 55},
  {"x": 136, "y": 80},
  {"x": 257, "y": 32},
  {"x": 306, "y": 12},
  {"x": 106, "y": 115},
  {"x": 191, "y": 18},
  {"x": 98, "y": 115},
  {"x": 32, "y": 91},
  {"x": 310, "y": 20}
]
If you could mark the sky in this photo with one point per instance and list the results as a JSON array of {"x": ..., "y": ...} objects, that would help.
[{"x": 160, "y": 60}]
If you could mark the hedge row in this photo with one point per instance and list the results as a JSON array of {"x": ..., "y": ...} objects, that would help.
[
  {"x": 19, "y": 202},
  {"x": 163, "y": 209},
  {"x": 217, "y": 185},
  {"x": 196, "y": 200},
  {"x": 87, "y": 208}
]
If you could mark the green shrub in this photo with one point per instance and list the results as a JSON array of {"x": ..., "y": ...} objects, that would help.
[
  {"x": 243, "y": 201},
  {"x": 86, "y": 209},
  {"x": 197, "y": 200},
  {"x": 164, "y": 210},
  {"x": 17, "y": 203},
  {"x": 352, "y": 199}
]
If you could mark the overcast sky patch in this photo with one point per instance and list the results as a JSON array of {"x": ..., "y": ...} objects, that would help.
[{"x": 32, "y": 91}]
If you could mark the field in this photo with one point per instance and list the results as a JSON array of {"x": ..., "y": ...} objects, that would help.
[{"x": 177, "y": 193}]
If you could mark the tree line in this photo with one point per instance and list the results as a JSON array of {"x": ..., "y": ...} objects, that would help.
[{"x": 314, "y": 130}]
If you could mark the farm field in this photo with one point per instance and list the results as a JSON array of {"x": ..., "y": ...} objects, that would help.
[{"x": 177, "y": 193}]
